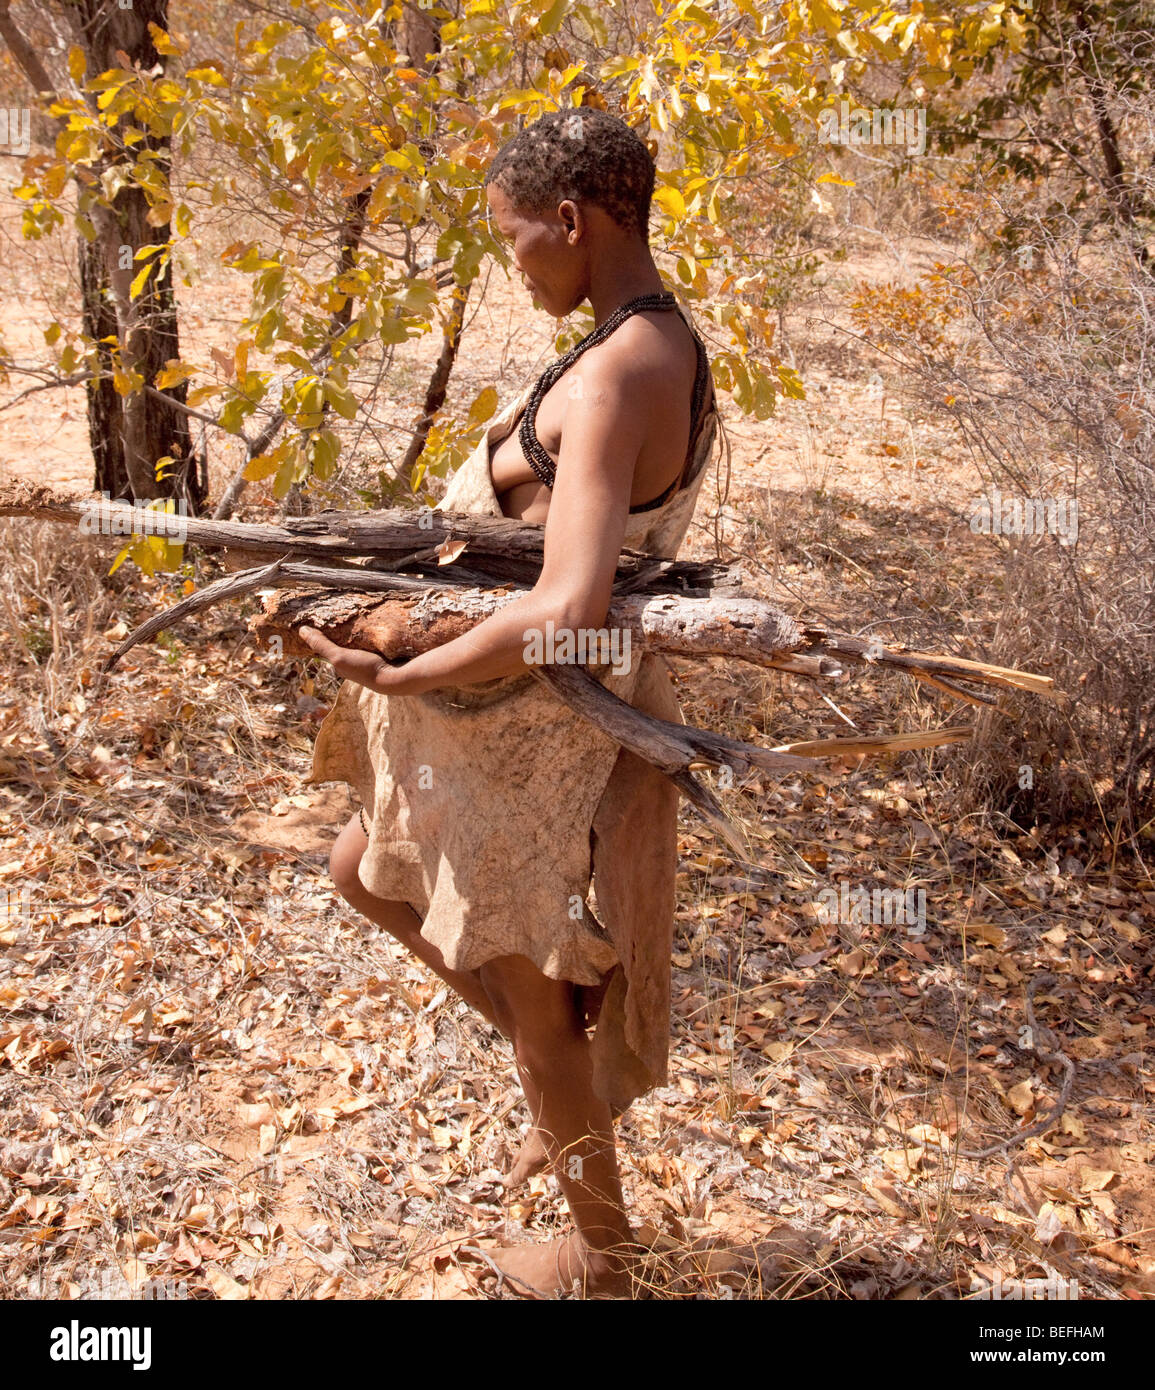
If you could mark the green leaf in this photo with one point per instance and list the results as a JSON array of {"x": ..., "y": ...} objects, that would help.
[
  {"x": 325, "y": 449},
  {"x": 342, "y": 400},
  {"x": 393, "y": 330},
  {"x": 234, "y": 412}
]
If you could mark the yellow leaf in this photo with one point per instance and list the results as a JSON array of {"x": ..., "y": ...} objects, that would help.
[
  {"x": 163, "y": 42},
  {"x": 671, "y": 200},
  {"x": 76, "y": 63},
  {"x": 552, "y": 18},
  {"x": 172, "y": 374},
  {"x": 263, "y": 465},
  {"x": 484, "y": 404},
  {"x": 138, "y": 280}
]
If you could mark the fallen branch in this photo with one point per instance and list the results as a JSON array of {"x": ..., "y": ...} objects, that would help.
[
  {"x": 692, "y": 624},
  {"x": 671, "y": 748},
  {"x": 500, "y": 549},
  {"x": 399, "y": 628}
]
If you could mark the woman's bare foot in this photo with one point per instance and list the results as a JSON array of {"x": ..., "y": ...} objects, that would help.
[
  {"x": 531, "y": 1158},
  {"x": 549, "y": 1270}
]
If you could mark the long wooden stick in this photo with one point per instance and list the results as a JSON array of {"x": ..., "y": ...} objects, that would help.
[
  {"x": 496, "y": 549},
  {"x": 499, "y": 550}
]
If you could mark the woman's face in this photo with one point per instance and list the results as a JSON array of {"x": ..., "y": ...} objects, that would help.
[{"x": 547, "y": 250}]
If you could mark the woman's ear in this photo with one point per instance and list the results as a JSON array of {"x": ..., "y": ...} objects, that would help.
[{"x": 572, "y": 220}]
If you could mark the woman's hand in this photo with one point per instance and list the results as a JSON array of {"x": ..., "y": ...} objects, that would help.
[{"x": 364, "y": 668}]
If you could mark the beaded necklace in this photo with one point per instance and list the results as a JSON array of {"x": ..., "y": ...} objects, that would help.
[{"x": 536, "y": 456}]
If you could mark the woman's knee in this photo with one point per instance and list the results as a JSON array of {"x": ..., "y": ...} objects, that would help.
[
  {"x": 345, "y": 860},
  {"x": 538, "y": 1014}
]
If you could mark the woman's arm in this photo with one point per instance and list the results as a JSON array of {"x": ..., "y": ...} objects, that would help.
[{"x": 602, "y": 435}]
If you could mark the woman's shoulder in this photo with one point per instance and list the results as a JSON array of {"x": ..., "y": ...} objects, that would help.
[{"x": 649, "y": 352}]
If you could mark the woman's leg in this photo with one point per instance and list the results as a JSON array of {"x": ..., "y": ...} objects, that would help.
[
  {"x": 553, "y": 1060},
  {"x": 398, "y": 918}
]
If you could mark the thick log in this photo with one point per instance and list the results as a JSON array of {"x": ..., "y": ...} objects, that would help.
[
  {"x": 401, "y": 628},
  {"x": 730, "y": 625}
]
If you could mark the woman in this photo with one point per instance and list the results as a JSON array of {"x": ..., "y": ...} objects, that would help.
[{"x": 489, "y": 805}]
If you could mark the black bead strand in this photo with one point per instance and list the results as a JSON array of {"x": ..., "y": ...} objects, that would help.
[{"x": 536, "y": 456}]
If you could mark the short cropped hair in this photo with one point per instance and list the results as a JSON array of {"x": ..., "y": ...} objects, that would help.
[{"x": 584, "y": 154}]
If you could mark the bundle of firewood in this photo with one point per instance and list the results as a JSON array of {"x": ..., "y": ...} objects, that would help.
[{"x": 399, "y": 582}]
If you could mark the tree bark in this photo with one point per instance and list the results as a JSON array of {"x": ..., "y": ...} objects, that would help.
[
  {"x": 130, "y": 434},
  {"x": 147, "y": 330},
  {"x": 105, "y": 412},
  {"x": 1115, "y": 181},
  {"x": 399, "y": 628},
  {"x": 487, "y": 548}
]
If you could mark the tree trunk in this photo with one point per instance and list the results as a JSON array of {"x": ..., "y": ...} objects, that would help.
[
  {"x": 439, "y": 381},
  {"x": 130, "y": 434},
  {"x": 105, "y": 413},
  {"x": 1115, "y": 181},
  {"x": 415, "y": 33}
]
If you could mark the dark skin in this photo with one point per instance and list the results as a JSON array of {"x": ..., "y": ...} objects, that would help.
[{"x": 618, "y": 437}]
